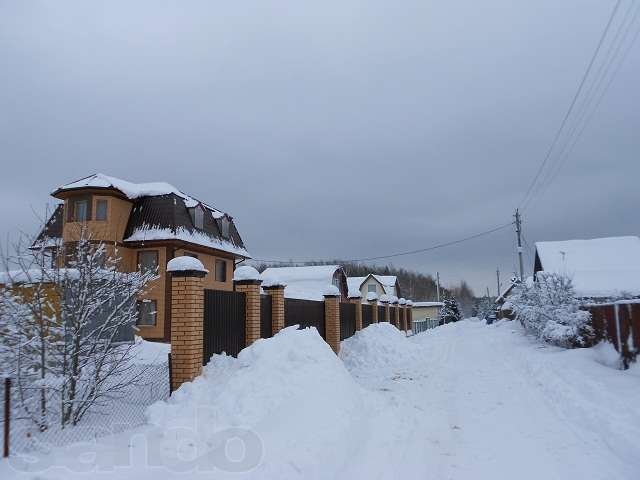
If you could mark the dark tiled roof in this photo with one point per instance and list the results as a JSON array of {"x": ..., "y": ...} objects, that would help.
[
  {"x": 53, "y": 227},
  {"x": 171, "y": 212}
]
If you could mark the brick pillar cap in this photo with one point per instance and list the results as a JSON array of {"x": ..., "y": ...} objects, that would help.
[
  {"x": 331, "y": 291},
  {"x": 355, "y": 296},
  {"x": 186, "y": 267}
]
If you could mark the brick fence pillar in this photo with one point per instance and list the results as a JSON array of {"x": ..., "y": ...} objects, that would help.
[
  {"x": 276, "y": 292},
  {"x": 374, "y": 311},
  {"x": 187, "y": 312},
  {"x": 357, "y": 301},
  {"x": 332, "y": 321},
  {"x": 397, "y": 316},
  {"x": 408, "y": 315},
  {"x": 401, "y": 322},
  {"x": 251, "y": 290}
]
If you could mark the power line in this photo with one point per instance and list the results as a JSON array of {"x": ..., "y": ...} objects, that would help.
[
  {"x": 556, "y": 137},
  {"x": 399, "y": 254}
]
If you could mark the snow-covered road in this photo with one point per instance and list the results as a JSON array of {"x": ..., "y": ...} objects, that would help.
[{"x": 463, "y": 401}]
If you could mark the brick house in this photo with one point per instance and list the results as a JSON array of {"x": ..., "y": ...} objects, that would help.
[{"x": 147, "y": 224}]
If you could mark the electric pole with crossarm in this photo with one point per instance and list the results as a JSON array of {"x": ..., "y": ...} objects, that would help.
[{"x": 519, "y": 234}]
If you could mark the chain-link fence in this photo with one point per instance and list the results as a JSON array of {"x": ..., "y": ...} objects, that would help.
[{"x": 121, "y": 411}]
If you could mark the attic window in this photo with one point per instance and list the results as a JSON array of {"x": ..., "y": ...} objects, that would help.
[
  {"x": 224, "y": 226},
  {"x": 371, "y": 288},
  {"x": 197, "y": 217}
]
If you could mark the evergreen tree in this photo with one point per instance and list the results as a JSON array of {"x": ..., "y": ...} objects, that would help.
[{"x": 450, "y": 312}]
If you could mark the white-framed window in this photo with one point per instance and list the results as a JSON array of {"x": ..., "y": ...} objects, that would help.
[
  {"x": 372, "y": 288},
  {"x": 197, "y": 217},
  {"x": 81, "y": 210}
]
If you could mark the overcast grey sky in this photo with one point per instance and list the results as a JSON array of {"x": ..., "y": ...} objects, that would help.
[{"x": 327, "y": 129}]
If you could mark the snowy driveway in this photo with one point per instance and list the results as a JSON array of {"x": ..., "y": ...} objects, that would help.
[{"x": 463, "y": 401}]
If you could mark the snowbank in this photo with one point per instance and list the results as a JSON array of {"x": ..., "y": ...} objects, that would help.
[
  {"x": 379, "y": 346},
  {"x": 149, "y": 353},
  {"x": 290, "y": 390}
]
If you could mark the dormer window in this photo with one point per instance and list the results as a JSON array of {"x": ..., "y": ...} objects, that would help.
[
  {"x": 224, "y": 226},
  {"x": 197, "y": 217}
]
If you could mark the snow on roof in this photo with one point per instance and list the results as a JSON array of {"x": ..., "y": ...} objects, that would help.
[
  {"x": 136, "y": 190},
  {"x": 184, "y": 264},
  {"x": 600, "y": 267},
  {"x": 307, "y": 283},
  {"x": 331, "y": 291},
  {"x": 428, "y": 304},
  {"x": 384, "y": 298},
  {"x": 246, "y": 272},
  {"x": 387, "y": 281},
  {"x": 371, "y": 296},
  {"x": 147, "y": 234},
  {"x": 354, "y": 284}
]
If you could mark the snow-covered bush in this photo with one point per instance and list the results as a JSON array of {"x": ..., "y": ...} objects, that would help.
[{"x": 549, "y": 309}]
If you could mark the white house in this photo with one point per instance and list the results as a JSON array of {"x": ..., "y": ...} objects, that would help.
[
  {"x": 378, "y": 284},
  {"x": 308, "y": 283},
  {"x": 600, "y": 268}
]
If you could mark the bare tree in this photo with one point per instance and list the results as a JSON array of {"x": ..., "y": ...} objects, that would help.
[{"x": 67, "y": 322}]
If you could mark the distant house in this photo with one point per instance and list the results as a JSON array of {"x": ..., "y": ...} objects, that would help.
[
  {"x": 148, "y": 224},
  {"x": 422, "y": 310},
  {"x": 600, "y": 268},
  {"x": 372, "y": 283},
  {"x": 310, "y": 282}
]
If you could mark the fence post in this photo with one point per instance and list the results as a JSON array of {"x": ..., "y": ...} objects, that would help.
[
  {"x": 374, "y": 310},
  {"x": 385, "y": 304},
  {"x": 408, "y": 315},
  {"x": 276, "y": 292},
  {"x": 357, "y": 301},
  {"x": 7, "y": 416},
  {"x": 248, "y": 281},
  {"x": 187, "y": 311},
  {"x": 396, "y": 314},
  {"x": 332, "y": 320}
]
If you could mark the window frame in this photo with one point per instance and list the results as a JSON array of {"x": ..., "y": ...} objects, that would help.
[
  {"x": 154, "y": 312},
  {"x": 142, "y": 252},
  {"x": 105, "y": 202},
  {"x": 375, "y": 288},
  {"x": 217, "y": 264},
  {"x": 76, "y": 217}
]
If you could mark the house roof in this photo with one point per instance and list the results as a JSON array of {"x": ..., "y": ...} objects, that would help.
[
  {"x": 355, "y": 283},
  {"x": 599, "y": 268},
  {"x": 160, "y": 212},
  {"x": 309, "y": 283},
  {"x": 388, "y": 282},
  {"x": 51, "y": 234}
]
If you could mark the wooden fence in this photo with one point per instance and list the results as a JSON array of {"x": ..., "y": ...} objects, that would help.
[{"x": 618, "y": 323}]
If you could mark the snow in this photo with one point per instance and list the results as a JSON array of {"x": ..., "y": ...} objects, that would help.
[
  {"x": 384, "y": 298},
  {"x": 355, "y": 294},
  {"x": 402, "y": 301},
  {"x": 388, "y": 282},
  {"x": 428, "y": 304},
  {"x": 371, "y": 297},
  {"x": 185, "y": 263},
  {"x": 246, "y": 272},
  {"x": 463, "y": 401},
  {"x": 331, "y": 291},
  {"x": 147, "y": 234},
  {"x": 410, "y": 303},
  {"x": 149, "y": 353},
  {"x": 354, "y": 284},
  {"x": 307, "y": 283},
  {"x": 600, "y": 267}
]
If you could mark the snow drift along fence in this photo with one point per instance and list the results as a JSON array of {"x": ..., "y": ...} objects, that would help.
[
  {"x": 618, "y": 323},
  {"x": 306, "y": 313}
]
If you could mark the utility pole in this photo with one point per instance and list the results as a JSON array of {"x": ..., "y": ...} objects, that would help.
[
  {"x": 438, "y": 284},
  {"x": 488, "y": 296},
  {"x": 498, "y": 277},
  {"x": 519, "y": 234}
]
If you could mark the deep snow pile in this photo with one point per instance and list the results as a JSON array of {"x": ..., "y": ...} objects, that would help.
[
  {"x": 290, "y": 390},
  {"x": 379, "y": 346}
]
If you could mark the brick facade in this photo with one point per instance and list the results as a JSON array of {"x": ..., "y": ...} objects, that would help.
[
  {"x": 251, "y": 290},
  {"x": 187, "y": 311}
]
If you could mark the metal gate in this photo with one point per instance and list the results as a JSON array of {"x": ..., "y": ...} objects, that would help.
[
  {"x": 265, "y": 316},
  {"x": 224, "y": 323},
  {"x": 306, "y": 313},
  {"x": 347, "y": 320},
  {"x": 367, "y": 315}
]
